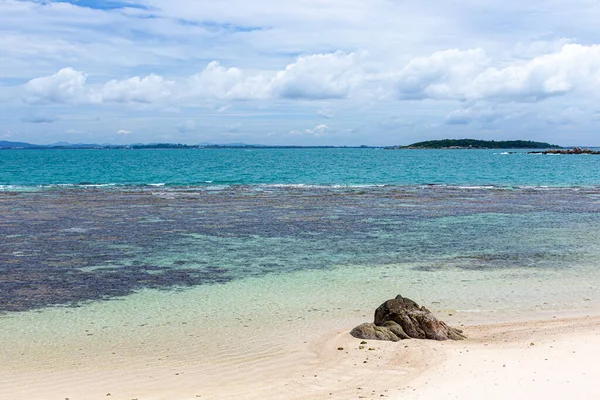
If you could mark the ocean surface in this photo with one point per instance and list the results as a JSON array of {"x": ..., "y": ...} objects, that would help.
[
  {"x": 210, "y": 167},
  {"x": 479, "y": 230}
]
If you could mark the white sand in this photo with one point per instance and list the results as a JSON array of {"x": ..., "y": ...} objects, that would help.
[{"x": 550, "y": 359}]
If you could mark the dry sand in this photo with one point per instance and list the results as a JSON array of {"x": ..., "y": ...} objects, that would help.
[{"x": 551, "y": 359}]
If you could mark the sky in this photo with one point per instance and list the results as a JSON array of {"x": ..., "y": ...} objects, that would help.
[{"x": 299, "y": 72}]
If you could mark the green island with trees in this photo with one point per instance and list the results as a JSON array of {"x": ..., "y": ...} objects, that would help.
[{"x": 477, "y": 144}]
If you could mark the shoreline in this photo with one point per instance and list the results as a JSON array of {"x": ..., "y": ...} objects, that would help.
[{"x": 498, "y": 359}]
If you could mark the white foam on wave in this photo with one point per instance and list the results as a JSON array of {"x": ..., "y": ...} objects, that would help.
[
  {"x": 17, "y": 188},
  {"x": 477, "y": 187},
  {"x": 319, "y": 186},
  {"x": 99, "y": 185}
]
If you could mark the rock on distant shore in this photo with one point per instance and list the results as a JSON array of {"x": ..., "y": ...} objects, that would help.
[
  {"x": 574, "y": 150},
  {"x": 402, "y": 318}
]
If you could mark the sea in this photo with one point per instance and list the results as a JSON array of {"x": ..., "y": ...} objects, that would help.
[{"x": 116, "y": 245}]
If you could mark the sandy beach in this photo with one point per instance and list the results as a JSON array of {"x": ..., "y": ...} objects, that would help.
[{"x": 552, "y": 358}]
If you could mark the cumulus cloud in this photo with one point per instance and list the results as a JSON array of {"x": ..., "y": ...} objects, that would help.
[
  {"x": 469, "y": 75},
  {"x": 228, "y": 83},
  {"x": 573, "y": 67},
  {"x": 66, "y": 86},
  {"x": 123, "y": 132},
  {"x": 149, "y": 89},
  {"x": 319, "y": 76},
  {"x": 460, "y": 75},
  {"x": 70, "y": 86},
  {"x": 444, "y": 74}
]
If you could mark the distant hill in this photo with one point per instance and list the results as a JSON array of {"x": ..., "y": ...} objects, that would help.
[
  {"x": 15, "y": 145},
  {"x": 477, "y": 144}
]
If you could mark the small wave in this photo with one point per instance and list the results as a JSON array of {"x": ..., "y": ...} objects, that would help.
[
  {"x": 477, "y": 187},
  {"x": 319, "y": 186},
  {"x": 216, "y": 186},
  {"x": 97, "y": 185},
  {"x": 463, "y": 187},
  {"x": 17, "y": 188}
]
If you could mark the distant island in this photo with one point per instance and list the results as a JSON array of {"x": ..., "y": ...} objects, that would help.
[{"x": 477, "y": 144}]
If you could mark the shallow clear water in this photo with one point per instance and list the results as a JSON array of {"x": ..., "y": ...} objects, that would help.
[{"x": 72, "y": 246}]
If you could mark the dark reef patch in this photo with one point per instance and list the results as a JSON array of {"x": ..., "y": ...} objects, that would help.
[
  {"x": 67, "y": 246},
  {"x": 39, "y": 286}
]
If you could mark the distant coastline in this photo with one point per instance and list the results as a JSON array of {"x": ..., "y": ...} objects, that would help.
[
  {"x": 477, "y": 144},
  {"x": 6, "y": 145},
  {"x": 426, "y": 145}
]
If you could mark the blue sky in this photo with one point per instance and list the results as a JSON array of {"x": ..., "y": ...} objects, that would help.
[{"x": 313, "y": 72}]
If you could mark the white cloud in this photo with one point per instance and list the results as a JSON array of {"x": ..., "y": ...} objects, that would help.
[
  {"x": 319, "y": 76},
  {"x": 123, "y": 132},
  {"x": 320, "y": 130},
  {"x": 444, "y": 74},
  {"x": 574, "y": 67},
  {"x": 469, "y": 75},
  {"x": 66, "y": 86},
  {"x": 70, "y": 86},
  {"x": 150, "y": 89},
  {"x": 228, "y": 83}
]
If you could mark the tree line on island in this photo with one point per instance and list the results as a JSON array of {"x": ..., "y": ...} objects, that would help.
[{"x": 477, "y": 144}]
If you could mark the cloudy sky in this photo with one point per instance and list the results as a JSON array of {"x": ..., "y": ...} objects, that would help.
[{"x": 313, "y": 72}]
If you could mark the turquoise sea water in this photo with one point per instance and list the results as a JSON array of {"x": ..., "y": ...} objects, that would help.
[
  {"x": 294, "y": 166},
  {"x": 82, "y": 226}
]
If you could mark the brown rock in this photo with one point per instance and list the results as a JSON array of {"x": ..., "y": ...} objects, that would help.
[
  {"x": 402, "y": 318},
  {"x": 373, "y": 332}
]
